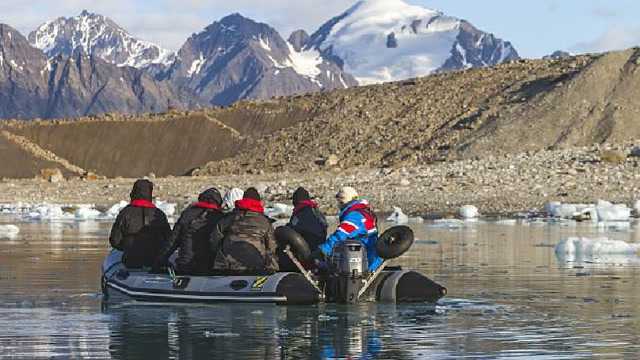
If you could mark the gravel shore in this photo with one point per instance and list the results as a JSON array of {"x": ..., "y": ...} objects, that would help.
[{"x": 502, "y": 185}]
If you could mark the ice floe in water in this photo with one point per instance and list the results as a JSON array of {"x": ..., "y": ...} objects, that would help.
[
  {"x": 9, "y": 231},
  {"x": 602, "y": 211},
  {"x": 468, "y": 212},
  {"x": 398, "y": 216},
  {"x": 75, "y": 212},
  {"x": 451, "y": 224},
  {"x": 602, "y": 250},
  {"x": 279, "y": 211}
]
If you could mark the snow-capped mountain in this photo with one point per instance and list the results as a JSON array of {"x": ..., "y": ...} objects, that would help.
[
  {"x": 99, "y": 36},
  {"x": 388, "y": 40},
  {"x": 237, "y": 58},
  {"x": 35, "y": 86}
]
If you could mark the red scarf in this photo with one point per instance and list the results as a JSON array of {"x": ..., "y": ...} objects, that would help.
[
  {"x": 250, "y": 205},
  {"x": 206, "y": 205},
  {"x": 142, "y": 204},
  {"x": 304, "y": 204}
]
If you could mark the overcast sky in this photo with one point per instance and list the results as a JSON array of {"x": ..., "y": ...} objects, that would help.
[{"x": 535, "y": 27}]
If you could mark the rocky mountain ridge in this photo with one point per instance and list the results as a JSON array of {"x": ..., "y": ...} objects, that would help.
[{"x": 237, "y": 58}]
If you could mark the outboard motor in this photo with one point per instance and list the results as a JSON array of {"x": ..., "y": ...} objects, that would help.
[{"x": 348, "y": 271}]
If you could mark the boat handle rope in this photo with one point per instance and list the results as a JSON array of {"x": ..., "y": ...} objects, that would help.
[
  {"x": 371, "y": 279},
  {"x": 304, "y": 271}
]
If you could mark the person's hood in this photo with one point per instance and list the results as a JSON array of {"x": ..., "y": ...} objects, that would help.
[
  {"x": 211, "y": 196},
  {"x": 354, "y": 205},
  {"x": 303, "y": 205},
  {"x": 142, "y": 190}
]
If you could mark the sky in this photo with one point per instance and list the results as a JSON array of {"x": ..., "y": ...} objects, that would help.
[{"x": 535, "y": 27}]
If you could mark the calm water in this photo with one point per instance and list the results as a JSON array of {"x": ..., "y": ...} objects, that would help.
[{"x": 508, "y": 297}]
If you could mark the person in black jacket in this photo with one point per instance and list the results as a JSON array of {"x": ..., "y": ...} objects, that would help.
[
  {"x": 140, "y": 230},
  {"x": 308, "y": 221},
  {"x": 245, "y": 239},
  {"x": 191, "y": 236}
]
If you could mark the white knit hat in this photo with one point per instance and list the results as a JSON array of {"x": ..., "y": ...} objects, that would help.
[
  {"x": 346, "y": 195},
  {"x": 229, "y": 201}
]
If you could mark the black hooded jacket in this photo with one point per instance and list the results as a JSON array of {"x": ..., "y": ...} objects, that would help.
[
  {"x": 191, "y": 235},
  {"x": 140, "y": 230}
]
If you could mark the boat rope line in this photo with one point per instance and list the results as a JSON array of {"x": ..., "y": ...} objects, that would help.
[{"x": 199, "y": 297}]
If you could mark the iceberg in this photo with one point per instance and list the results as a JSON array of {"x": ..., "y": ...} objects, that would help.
[
  {"x": 603, "y": 211},
  {"x": 601, "y": 250},
  {"x": 398, "y": 216},
  {"x": 609, "y": 212},
  {"x": 468, "y": 212},
  {"x": 279, "y": 211},
  {"x": 9, "y": 231}
]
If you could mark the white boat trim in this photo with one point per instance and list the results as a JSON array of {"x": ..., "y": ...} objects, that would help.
[{"x": 266, "y": 299}]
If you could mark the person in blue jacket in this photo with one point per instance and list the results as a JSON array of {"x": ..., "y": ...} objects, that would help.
[{"x": 357, "y": 222}]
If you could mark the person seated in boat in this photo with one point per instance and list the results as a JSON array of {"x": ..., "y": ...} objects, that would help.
[
  {"x": 141, "y": 230},
  {"x": 191, "y": 235},
  {"x": 245, "y": 239},
  {"x": 357, "y": 222},
  {"x": 308, "y": 221}
]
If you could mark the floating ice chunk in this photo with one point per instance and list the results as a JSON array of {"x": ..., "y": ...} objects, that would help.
[
  {"x": 230, "y": 198},
  {"x": 468, "y": 212},
  {"x": 595, "y": 250},
  {"x": 398, "y": 216},
  {"x": 113, "y": 211},
  {"x": 167, "y": 208},
  {"x": 448, "y": 223},
  {"x": 279, "y": 211},
  {"x": 87, "y": 213},
  {"x": 507, "y": 222},
  {"x": 49, "y": 212},
  {"x": 9, "y": 230},
  {"x": 609, "y": 212}
]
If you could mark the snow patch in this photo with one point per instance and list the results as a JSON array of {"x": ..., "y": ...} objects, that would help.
[
  {"x": 594, "y": 250},
  {"x": 196, "y": 65},
  {"x": 264, "y": 43}
]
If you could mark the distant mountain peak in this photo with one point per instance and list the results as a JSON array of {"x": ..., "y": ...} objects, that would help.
[
  {"x": 100, "y": 36},
  {"x": 388, "y": 40}
]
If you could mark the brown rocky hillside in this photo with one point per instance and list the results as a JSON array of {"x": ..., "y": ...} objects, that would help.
[{"x": 527, "y": 105}]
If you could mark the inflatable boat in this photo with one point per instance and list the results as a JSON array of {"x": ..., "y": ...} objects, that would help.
[{"x": 350, "y": 285}]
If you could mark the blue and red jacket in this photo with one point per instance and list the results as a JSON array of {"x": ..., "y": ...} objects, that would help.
[{"x": 357, "y": 222}]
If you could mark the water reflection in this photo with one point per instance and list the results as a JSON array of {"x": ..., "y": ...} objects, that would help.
[
  {"x": 256, "y": 332},
  {"x": 509, "y": 296}
]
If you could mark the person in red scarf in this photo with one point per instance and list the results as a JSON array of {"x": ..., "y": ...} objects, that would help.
[
  {"x": 191, "y": 234},
  {"x": 308, "y": 221},
  {"x": 245, "y": 239},
  {"x": 140, "y": 230}
]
